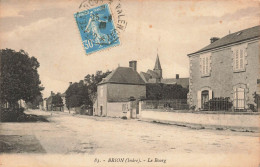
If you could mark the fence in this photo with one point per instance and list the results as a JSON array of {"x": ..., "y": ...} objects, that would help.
[
  {"x": 176, "y": 104},
  {"x": 225, "y": 104},
  {"x": 219, "y": 104}
]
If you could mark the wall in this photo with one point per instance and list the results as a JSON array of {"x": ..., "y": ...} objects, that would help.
[
  {"x": 116, "y": 109},
  {"x": 101, "y": 100},
  {"x": 222, "y": 77},
  {"x": 122, "y": 92},
  {"x": 226, "y": 120}
]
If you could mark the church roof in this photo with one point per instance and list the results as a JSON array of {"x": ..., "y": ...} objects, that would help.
[
  {"x": 124, "y": 75},
  {"x": 157, "y": 64}
]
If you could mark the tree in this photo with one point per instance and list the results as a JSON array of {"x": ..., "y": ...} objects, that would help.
[
  {"x": 19, "y": 78},
  {"x": 57, "y": 101},
  {"x": 77, "y": 95},
  {"x": 161, "y": 91},
  {"x": 81, "y": 93},
  {"x": 92, "y": 82},
  {"x": 34, "y": 104}
]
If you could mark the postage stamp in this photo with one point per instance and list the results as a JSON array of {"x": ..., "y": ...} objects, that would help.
[{"x": 97, "y": 29}]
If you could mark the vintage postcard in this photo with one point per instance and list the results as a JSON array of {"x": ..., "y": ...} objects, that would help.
[{"x": 135, "y": 83}]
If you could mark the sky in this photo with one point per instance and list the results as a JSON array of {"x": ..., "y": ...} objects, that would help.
[{"x": 47, "y": 30}]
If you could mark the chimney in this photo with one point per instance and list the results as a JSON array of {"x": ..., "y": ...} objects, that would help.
[
  {"x": 213, "y": 39},
  {"x": 133, "y": 64},
  {"x": 52, "y": 94},
  {"x": 177, "y": 76},
  {"x": 70, "y": 83}
]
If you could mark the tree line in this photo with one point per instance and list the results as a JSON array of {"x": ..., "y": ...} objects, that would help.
[
  {"x": 160, "y": 91},
  {"x": 84, "y": 92}
]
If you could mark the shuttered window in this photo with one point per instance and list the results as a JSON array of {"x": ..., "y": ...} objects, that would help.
[
  {"x": 239, "y": 57},
  {"x": 205, "y": 64}
]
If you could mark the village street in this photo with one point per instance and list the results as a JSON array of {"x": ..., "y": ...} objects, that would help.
[{"x": 67, "y": 134}]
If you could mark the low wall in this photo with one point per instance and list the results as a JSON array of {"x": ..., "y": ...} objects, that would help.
[
  {"x": 116, "y": 109},
  {"x": 226, "y": 120}
]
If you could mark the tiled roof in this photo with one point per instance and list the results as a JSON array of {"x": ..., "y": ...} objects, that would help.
[
  {"x": 239, "y": 36},
  {"x": 124, "y": 75}
]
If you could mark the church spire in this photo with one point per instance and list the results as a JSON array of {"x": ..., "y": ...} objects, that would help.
[{"x": 157, "y": 63}]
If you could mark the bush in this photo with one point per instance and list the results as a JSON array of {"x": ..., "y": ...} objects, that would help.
[
  {"x": 252, "y": 107},
  {"x": 123, "y": 117},
  {"x": 193, "y": 108},
  {"x": 18, "y": 115},
  {"x": 82, "y": 110},
  {"x": 8, "y": 115}
]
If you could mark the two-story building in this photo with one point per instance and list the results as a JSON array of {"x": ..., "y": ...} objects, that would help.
[
  {"x": 228, "y": 67},
  {"x": 115, "y": 91}
]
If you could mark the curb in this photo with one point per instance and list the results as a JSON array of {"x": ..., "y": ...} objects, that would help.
[{"x": 204, "y": 126}]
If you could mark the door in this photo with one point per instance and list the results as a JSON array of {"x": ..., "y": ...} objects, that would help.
[
  {"x": 204, "y": 99},
  {"x": 101, "y": 110},
  {"x": 239, "y": 98},
  {"x": 137, "y": 106}
]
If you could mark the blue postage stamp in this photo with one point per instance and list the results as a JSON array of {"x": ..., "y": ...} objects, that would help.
[{"x": 97, "y": 29}]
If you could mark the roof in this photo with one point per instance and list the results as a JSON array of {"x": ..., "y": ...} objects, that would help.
[
  {"x": 246, "y": 34},
  {"x": 145, "y": 76},
  {"x": 123, "y": 75},
  {"x": 184, "y": 82},
  {"x": 153, "y": 74},
  {"x": 157, "y": 64}
]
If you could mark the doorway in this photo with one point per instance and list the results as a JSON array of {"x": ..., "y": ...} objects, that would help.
[
  {"x": 101, "y": 110},
  {"x": 204, "y": 99}
]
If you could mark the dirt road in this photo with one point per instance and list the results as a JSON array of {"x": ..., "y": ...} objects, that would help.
[{"x": 79, "y": 136}]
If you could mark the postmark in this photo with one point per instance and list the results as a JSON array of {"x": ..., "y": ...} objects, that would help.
[
  {"x": 116, "y": 7},
  {"x": 97, "y": 29}
]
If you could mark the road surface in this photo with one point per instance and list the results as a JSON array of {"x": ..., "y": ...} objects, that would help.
[{"x": 77, "y": 139}]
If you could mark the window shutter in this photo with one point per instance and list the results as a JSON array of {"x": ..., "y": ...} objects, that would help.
[
  {"x": 210, "y": 64},
  {"x": 207, "y": 65},
  {"x": 210, "y": 94},
  {"x": 199, "y": 98},
  {"x": 241, "y": 59}
]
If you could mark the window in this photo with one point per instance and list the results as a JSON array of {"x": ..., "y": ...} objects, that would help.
[
  {"x": 239, "y": 98},
  {"x": 239, "y": 54},
  {"x": 205, "y": 65}
]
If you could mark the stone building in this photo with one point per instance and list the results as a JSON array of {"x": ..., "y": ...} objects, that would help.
[
  {"x": 115, "y": 91},
  {"x": 227, "y": 67}
]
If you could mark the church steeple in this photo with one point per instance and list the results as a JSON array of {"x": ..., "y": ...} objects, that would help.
[
  {"x": 158, "y": 68},
  {"x": 157, "y": 63}
]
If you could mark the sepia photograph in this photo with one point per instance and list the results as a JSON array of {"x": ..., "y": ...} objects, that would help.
[{"x": 135, "y": 83}]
